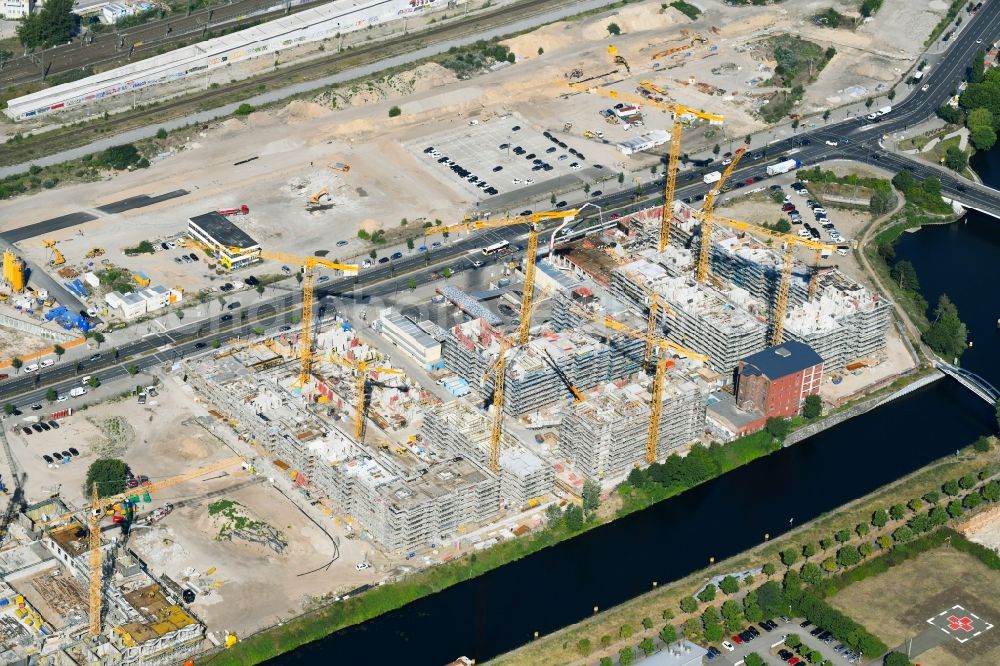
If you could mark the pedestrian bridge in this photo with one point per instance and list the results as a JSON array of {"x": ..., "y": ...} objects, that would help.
[{"x": 971, "y": 381}]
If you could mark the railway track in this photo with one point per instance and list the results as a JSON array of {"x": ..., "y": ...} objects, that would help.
[{"x": 65, "y": 138}]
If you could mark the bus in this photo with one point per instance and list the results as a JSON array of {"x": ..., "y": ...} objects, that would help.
[{"x": 490, "y": 250}]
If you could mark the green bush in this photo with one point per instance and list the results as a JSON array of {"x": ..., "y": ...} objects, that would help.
[
  {"x": 244, "y": 110},
  {"x": 395, "y": 111},
  {"x": 120, "y": 157},
  {"x": 108, "y": 474}
]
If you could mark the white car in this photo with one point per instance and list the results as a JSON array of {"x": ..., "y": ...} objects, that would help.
[
  {"x": 367, "y": 263},
  {"x": 361, "y": 566},
  {"x": 842, "y": 251},
  {"x": 517, "y": 181},
  {"x": 46, "y": 363},
  {"x": 925, "y": 87},
  {"x": 31, "y": 367},
  {"x": 831, "y": 143},
  {"x": 62, "y": 398},
  {"x": 728, "y": 645}
]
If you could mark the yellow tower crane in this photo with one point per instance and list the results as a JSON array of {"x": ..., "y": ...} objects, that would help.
[
  {"x": 663, "y": 363},
  {"x": 499, "y": 370},
  {"x": 361, "y": 368},
  {"x": 707, "y": 213},
  {"x": 94, "y": 526},
  {"x": 309, "y": 277},
  {"x": 784, "y": 284},
  {"x": 681, "y": 113},
  {"x": 530, "y": 254}
]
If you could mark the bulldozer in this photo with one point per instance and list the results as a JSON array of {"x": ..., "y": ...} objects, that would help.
[
  {"x": 96, "y": 252},
  {"x": 316, "y": 201}
]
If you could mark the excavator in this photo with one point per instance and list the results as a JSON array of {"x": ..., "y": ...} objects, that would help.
[{"x": 315, "y": 201}]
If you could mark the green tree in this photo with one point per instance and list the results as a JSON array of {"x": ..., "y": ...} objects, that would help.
[
  {"x": 614, "y": 29},
  {"x": 573, "y": 517},
  {"x": 591, "y": 495},
  {"x": 793, "y": 641},
  {"x": 842, "y": 535},
  {"x": 54, "y": 24},
  {"x": 216, "y": 344},
  {"x": 884, "y": 541},
  {"x": 540, "y": 50},
  {"x": 830, "y": 565},
  {"x": 862, "y": 529},
  {"x": 932, "y": 497},
  {"x": 16, "y": 363},
  {"x": 826, "y": 115},
  {"x": 955, "y": 509},
  {"x": 905, "y": 275},
  {"x": 132, "y": 369},
  {"x": 983, "y": 137},
  {"x": 967, "y": 481},
  {"x": 716, "y": 149},
  {"x": 647, "y": 646},
  {"x": 729, "y": 585},
  {"x": 668, "y": 634},
  {"x": 647, "y": 623},
  {"x": 811, "y": 573},
  {"x": 947, "y": 334},
  {"x": 972, "y": 500},
  {"x": 707, "y": 594},
  {"x": 607, "y": 661},
  {"x": 108, "y": 474},
  {"x": 902, "y": 534},
  {"x": 950, "y": 487},
  {"x": 93, "y": 382},
  {"x": 244, "y": 110},
  {"x": 58, "y": 350},
  {"x": 813, "y": 406},
  {"x": 808, "y": 550},
  {"x": 395, "y": 111},
  {"x": 789, "y": 556},
  {"x": 826, "y": 543},
  {"x": 120, "y": 157},
  {"x": 990, "y": 492},
  {"x": 689, "y": 605},
  {"x": 896, "y": 659},
  {"x": 865, "y": 549},
  {"x": 754, "y": 659},
  {"x": 897, "y": 511},
  {"x": 982, "y": 445},
  {"x": 955, "y": 159},
  {"x": 98, "y": 338},
  {"x": 51, "y": 395},
  {"x": 583, "y": 646},
  {"x": 768, "y": 569},
  {"x": 625, "y": 631},
  {"x": 848, "y": 556},
  {"x": 777, "y": 427},
  {"x": 626, "y": 656},
  {"x": 8, "y": 408}
]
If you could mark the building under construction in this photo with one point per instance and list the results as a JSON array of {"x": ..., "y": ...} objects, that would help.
[
  {"x": 459, "y": 429},
  {"x": 605, "y": 435},
  {"x": 537, "y": 373}
]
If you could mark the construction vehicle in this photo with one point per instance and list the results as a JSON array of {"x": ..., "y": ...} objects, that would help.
[
  {"x": 618, "y": 59},
  {"x": 339, "y": 166},
  {"x": 707, "y": 211},
  {"x": 57, "y": 257},
  {"x": 681, "y": 114},
  {"x": 96, "y": 252},
  {"x": 663, "y": 363},
  {"x": 308, "y": 282},
  {"x": 653, "y": 91},
  {"x": 242, "y": 210},
  {"x": 363, "y": 383},
  {"x": 314, "y": 200}
]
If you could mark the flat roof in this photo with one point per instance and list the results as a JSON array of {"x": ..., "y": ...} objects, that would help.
[
  {"x": 785, "y": 359},
  {"x": 223, "y": 231},
  {"x": 408, "y": 327}
]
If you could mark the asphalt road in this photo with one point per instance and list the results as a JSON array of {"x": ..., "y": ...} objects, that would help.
[
  {"x": 112, "y": 47},
  {"x": 861, "y": 144}
]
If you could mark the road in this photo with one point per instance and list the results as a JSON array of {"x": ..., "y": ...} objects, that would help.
[
  {"x": 861, "y": 144},
  {"x": 111, "y": 48}
]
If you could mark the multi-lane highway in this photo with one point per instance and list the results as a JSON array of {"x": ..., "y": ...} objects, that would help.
[{"x": 856, "y": 139}]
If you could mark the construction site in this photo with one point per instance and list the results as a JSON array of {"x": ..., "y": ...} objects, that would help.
[{"x": 348, "y": 438}]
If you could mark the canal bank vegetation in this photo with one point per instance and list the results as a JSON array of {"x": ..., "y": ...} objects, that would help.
[{"x": 886, "y": 522}]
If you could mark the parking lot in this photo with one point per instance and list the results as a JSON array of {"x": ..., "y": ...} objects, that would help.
[
  {"x": 505, "y": 152},
  {"x": 769, "y": 644}
]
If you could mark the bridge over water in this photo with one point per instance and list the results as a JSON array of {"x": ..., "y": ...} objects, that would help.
[{"x": 970, "y": 380}]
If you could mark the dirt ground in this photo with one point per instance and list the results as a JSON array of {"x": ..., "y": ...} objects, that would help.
[
  {"x": 895, "y": 605},
  {"x": 348, "y": 124}
]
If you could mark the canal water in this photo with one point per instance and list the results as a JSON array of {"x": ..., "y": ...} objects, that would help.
[{"x": 604, "y": 567}]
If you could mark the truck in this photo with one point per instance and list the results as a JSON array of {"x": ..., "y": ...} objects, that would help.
[
  {"x": 884, "y": 110},
  {"x": 783, "y": 167},
  {"x": 712, "y": 177},
  {"x": 242, "y": 210},
  {"x": 77, "y": 392}
]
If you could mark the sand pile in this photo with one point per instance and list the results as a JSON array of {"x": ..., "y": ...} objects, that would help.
[
  {"x": 371, "y": 225},
  {"x": 879, "y": 71},
  {"x": 549, "y": 38},
  {"x": 635, "y": 18},
  {"x": 304, "y": 110}
]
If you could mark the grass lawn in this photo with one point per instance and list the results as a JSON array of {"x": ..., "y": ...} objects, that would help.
[{"x": 895, "y": 605}]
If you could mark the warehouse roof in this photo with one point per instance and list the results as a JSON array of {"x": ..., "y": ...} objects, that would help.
[
  {"x": 223, "y": 231},
  {"x": 787, "y": 358}
]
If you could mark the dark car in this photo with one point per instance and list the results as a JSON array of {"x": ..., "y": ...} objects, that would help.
[
  {"x": 561, "y": 204},
  {"x": 251, "y": 281},
  {"x": 714, "y": 650},
  {"x": 66, "y": 454},
  {"x": 164, "y": 246},
  {"x": 551, "y": 149},
  {"x": 200, "y": 345},
  {"x": 804, "y": 623},
  {"x": 36, "y": 427},
  {"x": 56, "y": 455},
  {"x": 504, "y": 146},
  {"x": 54, "y": 424},
  {"x": 226, "y": 317},
  {"x": 784, "y": 654},
  {"x": 233, "y": 305},
  {"x": 497, "y": 168},
  {"x": 442, "y": 160},
  {"x": 753, "y": 630},
  {"x": 596, "y": 193},
  {"x": 530, "y": 156},
  {"x": 397, "y": 255},
  {"x": 26, "y": 431},
  {"x": 383, "y": 260},
  {"x": 428, "y": 150},
  {"x": 48, "y": 459},
  {"x": 73, "y": 452},
  {"x": 36, "y": 407},
  {"x": 817, "y": 631},
  {"x": 525, "y": 212},
  {"x": 44, "y": 426},
  {"x": 194, "y": 257},
  {"x": 515, "y": 128},
  {"x": 960, "y": 188},
  {"x": 562, "y": 144}
]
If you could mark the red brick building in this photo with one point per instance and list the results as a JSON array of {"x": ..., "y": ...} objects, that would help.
[{"x": 777, "y": 380}]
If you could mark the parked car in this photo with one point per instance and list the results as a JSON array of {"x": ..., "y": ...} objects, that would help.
[
  {"x": 729, "y": 646},
  {"x": 233, "y": 305},
  {"x": 48, "y": 459},
  {"x": 26, "y": 430},
  {"x": 36, "y": 427}
]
